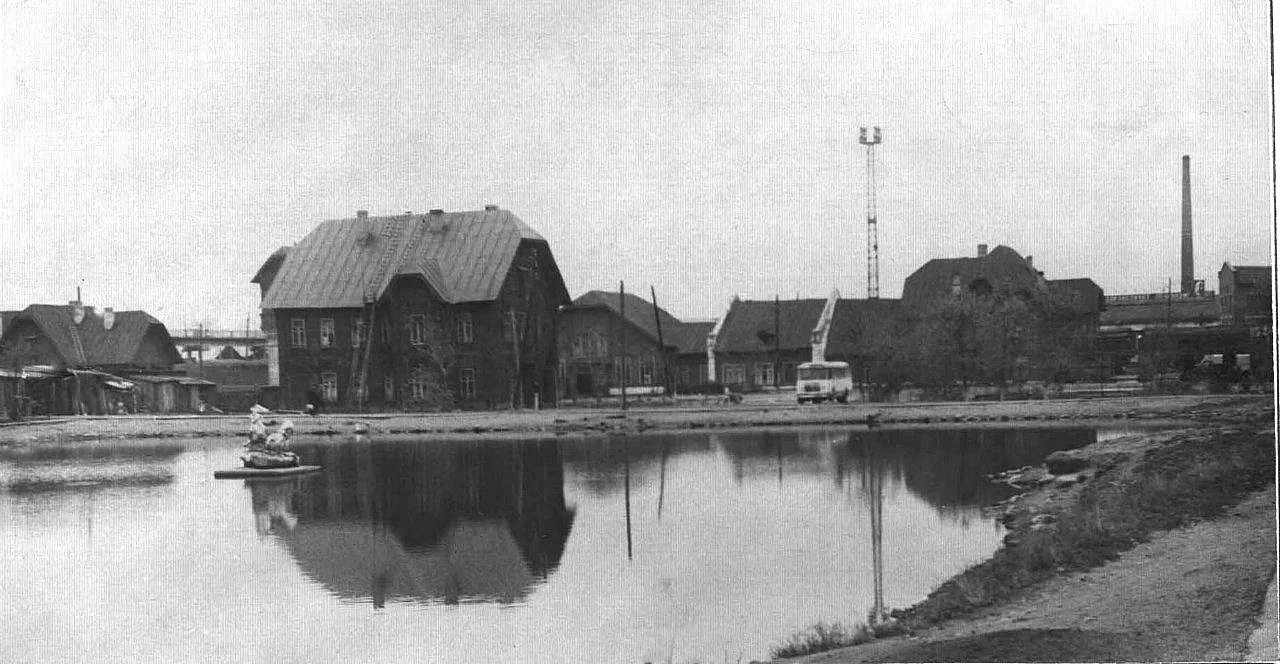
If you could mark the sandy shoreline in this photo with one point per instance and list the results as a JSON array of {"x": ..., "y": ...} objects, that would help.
[{"x": 1191, "y": 593}]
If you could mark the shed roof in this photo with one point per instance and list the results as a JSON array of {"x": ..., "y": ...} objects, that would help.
[
  {"x": 464, "y": 256},
  {"x": 639, "y": 312},
  {"x": 90, "y": 343},
  {"x": 1160, "y": 311},
  {"x": 749, "y": 325}
]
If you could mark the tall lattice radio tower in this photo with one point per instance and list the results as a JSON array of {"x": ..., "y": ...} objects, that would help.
[{"x": 873, "y": 243}]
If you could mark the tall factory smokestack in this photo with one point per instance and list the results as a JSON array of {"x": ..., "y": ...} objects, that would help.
[{"x": 1188, "y": 255}]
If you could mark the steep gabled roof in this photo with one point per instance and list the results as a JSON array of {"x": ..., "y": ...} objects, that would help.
[
  {"x": 749, "y": 325},
  {"x": 639, "y": 312},
  {"x": 270, "y": 267},
  {"x": 853, "y": 323},
  {"x": 464, "y": 256},
  {"x": 1258, "y": 275},
  {"x": 691, "y": 337},
  {"x": 90, "y": 343},
  {"x": 1085, "y": 296},
  {"x": 1002, "y": 266}
]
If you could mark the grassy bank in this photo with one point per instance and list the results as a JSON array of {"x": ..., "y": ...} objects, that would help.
[{"x": 1195, "y": 475}]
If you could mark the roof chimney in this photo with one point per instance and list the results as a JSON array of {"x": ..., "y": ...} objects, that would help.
[
  {"x": 1188, "y": 255},
  {"x": 1030, "y": 263},
  {"x": 437, "y": 211},
  {"x": 982, "y": 250},
  {"x": 362, "y": 214},
  {"x": 108, "y": 318},
  {"x": 491, "y": 207}
]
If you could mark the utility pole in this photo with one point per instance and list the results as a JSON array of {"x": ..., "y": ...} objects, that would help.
[{"x": 873, "y": 243}]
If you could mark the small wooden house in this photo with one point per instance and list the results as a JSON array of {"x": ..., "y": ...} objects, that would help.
[{"x": 82, "y": 361}]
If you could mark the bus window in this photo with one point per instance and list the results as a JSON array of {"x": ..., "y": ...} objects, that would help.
[{"x": 812, "y": 373}]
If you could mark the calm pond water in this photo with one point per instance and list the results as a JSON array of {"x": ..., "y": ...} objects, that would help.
[{"x": 677, "y": 548}]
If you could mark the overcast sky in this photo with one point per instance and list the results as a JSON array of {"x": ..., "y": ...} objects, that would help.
[{"x": 155, "y": 153}]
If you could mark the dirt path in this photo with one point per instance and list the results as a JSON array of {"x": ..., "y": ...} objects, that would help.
[
  {"x": 758, "y": 411},
  {"x": 1189, "y": 594}
]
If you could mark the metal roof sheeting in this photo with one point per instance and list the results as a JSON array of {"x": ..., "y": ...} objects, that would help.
[
  {"x": 639, "y": 313},
  {"x": 91, "y": 344},
  {"x": 464, "y": 256},
  {"x": 749, "y": 325}
]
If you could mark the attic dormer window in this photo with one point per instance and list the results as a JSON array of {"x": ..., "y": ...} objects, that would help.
[{"x": 956, "y": 286}]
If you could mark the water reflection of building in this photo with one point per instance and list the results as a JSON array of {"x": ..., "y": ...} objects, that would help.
[
  {"x": 948, "y": 467},
  {"x": 945, "y": 467},
  {"x": 480, "y": 521}
]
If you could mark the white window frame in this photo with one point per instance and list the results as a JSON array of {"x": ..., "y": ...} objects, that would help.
[
  {"x": 389, "y": 388},
  {"x": 764, "y": 373},
  {"x": 327, "y": 333},
  {"x": 418, "y": 383},
  {"x": 329, "y": 387},
  {"x": 359, "y": 330},
  {"x": 361, "y": 390},
  {"x": 298, "y": 332},
  {"x": 467, "y": 383},
  {"x": 466, "y": 329},
  {"x": 734, "y": 374},
  {"x": 418, "y": 329}
]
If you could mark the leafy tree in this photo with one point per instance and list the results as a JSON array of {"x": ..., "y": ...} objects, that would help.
[{"x": 995, "y": 338}]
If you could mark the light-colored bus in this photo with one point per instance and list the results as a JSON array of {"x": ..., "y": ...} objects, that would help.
[{"x": 821, "y": 381}]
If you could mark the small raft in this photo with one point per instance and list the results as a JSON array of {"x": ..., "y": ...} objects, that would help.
[{"x": 242, "y": 473}]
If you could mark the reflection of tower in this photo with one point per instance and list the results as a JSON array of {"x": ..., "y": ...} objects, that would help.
[
  {"x": 626, "y": 479},
  {"x": 873, "y": 485}
]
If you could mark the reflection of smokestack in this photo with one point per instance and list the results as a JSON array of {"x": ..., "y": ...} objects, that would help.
[{"x": 1188, "y": 256}]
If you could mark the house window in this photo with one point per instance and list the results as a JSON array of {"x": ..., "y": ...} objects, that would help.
[
  {"x": 359, "y": 331},
  {"x": 326, "y": 332},
  {"x": 624, "y": 371},
  {"x": 734, "y": 374},
  {"x": 956, "y": 287},
  {"x": 389, "y": 388},
  {"x": 467, "y": 383},
  {"x": 329, "y": 386},
  {"x": 579, "y": 346},
  {"x": 418, "y": 329},
  {"x": 361, "y": 391},
  {"x": 419, "y": 383},
  {"x": 764, "y": 373},
  {"x": 298, "y": 332},
  {"x": 646, "y": 370},
  {"x": 466, "y": 329}
]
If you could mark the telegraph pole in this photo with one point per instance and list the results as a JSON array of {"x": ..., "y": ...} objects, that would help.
[{"x": 873, "y": 243}]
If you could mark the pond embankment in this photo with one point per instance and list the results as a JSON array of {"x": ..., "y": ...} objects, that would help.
[
  {"x": 757, "y": 411},
  {"x": 1158, "y": 546}
]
